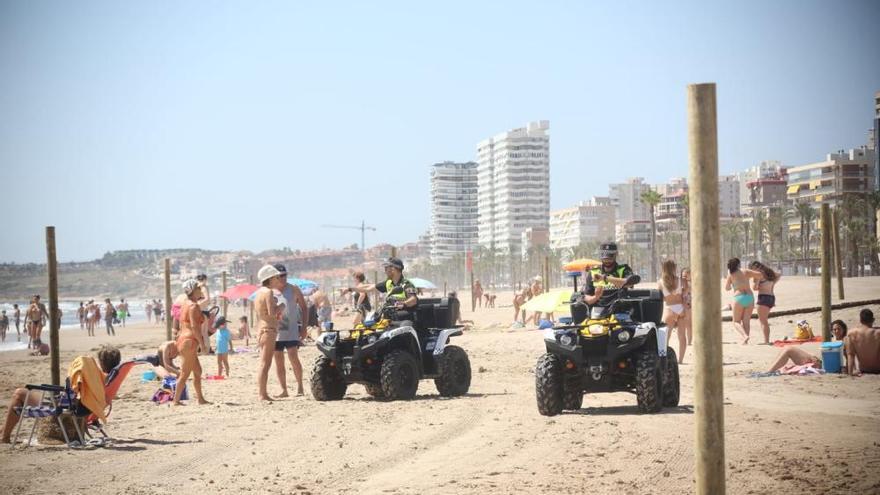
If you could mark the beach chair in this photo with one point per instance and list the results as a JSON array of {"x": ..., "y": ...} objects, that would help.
[
  {"x": 55, "y": 402},
  {"x": 112, "y": 383}
]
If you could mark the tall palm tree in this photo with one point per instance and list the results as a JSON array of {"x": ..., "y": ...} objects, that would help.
[
  {"x": 652, "y": 198},
  {"x": 775, "y": 223},
  {"x": 759, "y": 222},
  {"x": 807, "y": 214}
]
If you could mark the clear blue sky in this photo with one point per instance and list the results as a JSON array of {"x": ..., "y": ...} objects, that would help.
[{"x": 246, "y": 125}]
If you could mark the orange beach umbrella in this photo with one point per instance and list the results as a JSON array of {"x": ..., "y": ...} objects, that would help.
[{"x": 580, "y": 265}]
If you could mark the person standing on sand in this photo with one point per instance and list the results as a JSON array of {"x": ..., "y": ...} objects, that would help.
[
  {"x": 122, "y": 311},
  {"x": 685, "y": 321},
  {"x": 673, "y": 303},
  {"x": 35, "y": 314},
  {"x": 205, "y": 305},
  {"x": 324, "y": 308},
  {"x": 266, "y": 310},
  {"x": 743, "y": 299},
  {"x": 17, "y": 317},
  {"x": 477, "y": 294},
  {"x": 291, "y": 333},
  {"x": 4, "y": 325},
  {"x": 109, "y": 314},
  {"x": 519, "y": 299},
  {"x": 766, "y": 299},
  {"x": 81, "y": 315},
  {"x": 188, "y": 342},
  {"x": 148, "y": 308}
]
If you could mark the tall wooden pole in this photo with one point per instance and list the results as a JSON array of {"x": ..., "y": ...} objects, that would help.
[
  {"x": 825, "y": 218},
  {"x": 224, "y": 290},
  {"x": 838, "y": 262},
  {"x": 705, "y": 240},
  {"x": 54, "y": 321},
  {"x": 168, "y": 298}
]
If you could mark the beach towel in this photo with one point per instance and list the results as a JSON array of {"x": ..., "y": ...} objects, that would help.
[
  {"x": 802, "y": 370},
  {"x": 166, "y": 391},
  {"x": 87, "y": 380},
  {"x": 783, "y": 343}
]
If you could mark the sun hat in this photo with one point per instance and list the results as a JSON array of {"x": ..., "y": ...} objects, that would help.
[
  {"x": 190, "y": 285},
  {"x": 267, "y": 272}
]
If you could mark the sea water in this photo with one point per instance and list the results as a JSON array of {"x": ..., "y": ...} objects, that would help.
[{"x": 69, "y": 321}]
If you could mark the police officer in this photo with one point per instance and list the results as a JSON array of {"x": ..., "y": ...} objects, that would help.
[
  {"x": 399, "y": 292},
  {"x": 608, "y": 275}
]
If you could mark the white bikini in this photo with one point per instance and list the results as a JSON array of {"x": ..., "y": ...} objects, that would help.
[{"x": 675, "y": 308}]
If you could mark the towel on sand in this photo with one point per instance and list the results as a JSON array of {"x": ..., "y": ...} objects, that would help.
[{"x": 783, "y": 343}]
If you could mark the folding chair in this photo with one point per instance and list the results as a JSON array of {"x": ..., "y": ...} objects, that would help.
[
  {"x": 55, "y": 402},
  {"x": 111, "y": 387}
]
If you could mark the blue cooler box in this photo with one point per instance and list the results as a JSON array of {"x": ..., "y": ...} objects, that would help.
[{"x": 832, "y": 356}]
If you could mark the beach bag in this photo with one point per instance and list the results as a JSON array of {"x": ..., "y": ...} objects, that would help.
[
  {"x": 803, "y": 331},
  {"x": 166, "y": 391}
]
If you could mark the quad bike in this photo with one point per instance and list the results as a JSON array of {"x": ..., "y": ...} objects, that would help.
[
  {"x": 389, "y": 360},
  {"x": 618, "y": 345}
]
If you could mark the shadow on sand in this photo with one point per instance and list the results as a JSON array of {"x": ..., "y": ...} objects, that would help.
[{"x": 628, "y": 411}]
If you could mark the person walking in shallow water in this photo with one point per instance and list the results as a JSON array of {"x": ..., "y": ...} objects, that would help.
[
  {"x": 17, "y": 317},
  {"x": 109, "y": 315}
]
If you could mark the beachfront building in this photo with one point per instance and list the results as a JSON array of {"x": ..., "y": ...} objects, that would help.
[
  {"x": 626, "y": 198},
  {"x": 586, "y": 222},
  {"x": 828, "y": 181},
  {"x": 454, "y": 215},
  {"x": 635, "y": 233},
  {"x": 513, "y": 184},
  {"x": 729, "y": 196},
  {"x": 534, "y": 239},
  {"x": 767, "y": 169},
  {"x": 874, "y": 144},
  {"x": 766, "y": 192}
]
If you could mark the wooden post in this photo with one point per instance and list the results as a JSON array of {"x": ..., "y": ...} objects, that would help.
[
  {"x": 224, "y": 290},
  {"x": 54, "y": 321},
  {"x": 168, "y": 299},
  {"x": 546, "y": 274},
  {"x": 393, "y": 252},
  {"x": 706, "y": 289},
  {"x": 838, "y": 262},
  {"x": 825, "y": 218}
]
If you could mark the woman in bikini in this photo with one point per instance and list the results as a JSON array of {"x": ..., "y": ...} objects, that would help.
[
  {"x": 743, "y": 298},
  {"x": 35, "y": 319},
  {"x": 673, "y": 311},
  {"x": 188, "y": 342},
  {"x": 766, "y": 299},
  {"x": 267, "y": 315}
]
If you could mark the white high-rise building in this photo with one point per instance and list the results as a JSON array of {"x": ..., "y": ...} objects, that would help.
[
  {"x": 626, "y": 197},
  {"x": 585, "y": 222},
  {"x": 729, "y": 196},
  {"x": 514, "y": 185},
  {"x": 453, "y": 209}
]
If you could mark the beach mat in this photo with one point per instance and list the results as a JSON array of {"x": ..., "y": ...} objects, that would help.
[{"x": 783, "y": 343}]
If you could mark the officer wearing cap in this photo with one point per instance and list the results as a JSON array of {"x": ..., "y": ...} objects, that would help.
[
  {"x": 399, "y": 292},
  {"x": 609, "y": 275}
]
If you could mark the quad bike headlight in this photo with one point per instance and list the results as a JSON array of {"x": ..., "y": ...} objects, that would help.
[
  {"x": 344, "y": 334},
  {"x": 329, "y": 339},
  {"x": 596, "y": 329},
  {"x": 623, "y": 336},
  {"x": 566, "y": 339},
  {"x": 372, "y": 338}
]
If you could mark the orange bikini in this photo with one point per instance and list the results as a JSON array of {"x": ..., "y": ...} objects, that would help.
[{"x": 187, "y": 327}]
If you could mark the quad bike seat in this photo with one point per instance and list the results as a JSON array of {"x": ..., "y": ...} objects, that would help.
[{"x": 436, "y": 312}]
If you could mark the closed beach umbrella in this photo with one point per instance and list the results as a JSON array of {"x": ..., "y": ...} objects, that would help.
[
  {"x": 549, "y": 302},
  {"x": 421, "y": 283}
]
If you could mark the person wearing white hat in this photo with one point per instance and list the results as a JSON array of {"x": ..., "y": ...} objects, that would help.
[{"x": 266, "y": 309}]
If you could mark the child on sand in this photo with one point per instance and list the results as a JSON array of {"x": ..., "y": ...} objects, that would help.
[
  {"x": 224, "y": 343},
  {"x": 4, "y": 325},
  {"x": 244, "y": 331}
]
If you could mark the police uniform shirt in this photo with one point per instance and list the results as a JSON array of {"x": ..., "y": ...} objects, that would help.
[
  {"x": 402, "y": 291},
  {"x": 619, "y": 271}
]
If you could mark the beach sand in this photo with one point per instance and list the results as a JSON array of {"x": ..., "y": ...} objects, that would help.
[{"x": 783, "y": 434}]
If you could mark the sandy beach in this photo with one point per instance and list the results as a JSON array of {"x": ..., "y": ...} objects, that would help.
[{"x": 784, "y": 434}]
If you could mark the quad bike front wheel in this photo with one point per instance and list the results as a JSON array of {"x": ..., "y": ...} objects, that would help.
[
  {"x": 648, "y": 380},
  {"x": 400, "y": 375},
  {"x": 327, "y": 382},
  {"x": 454, "y": 369},
  {"x": 549, "y": 384},
  {"x": 572, "y": 393},
  {"x": 671, "y": 387}
]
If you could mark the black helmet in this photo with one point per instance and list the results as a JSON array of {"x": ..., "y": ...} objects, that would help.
[
  {"x": 395, "y": 262},
  {"x": 607, "y": 250}
]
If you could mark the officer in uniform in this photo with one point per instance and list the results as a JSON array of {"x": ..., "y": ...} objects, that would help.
[
  {"x": 399, "y": 292},
  {"x": 608, "y": 275}
]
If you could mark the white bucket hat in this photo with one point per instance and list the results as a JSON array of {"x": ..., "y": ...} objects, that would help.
[{"x": 267, "y": 272}]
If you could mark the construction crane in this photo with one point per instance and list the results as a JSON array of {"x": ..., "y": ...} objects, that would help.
[{"x": 363, "y": 228}]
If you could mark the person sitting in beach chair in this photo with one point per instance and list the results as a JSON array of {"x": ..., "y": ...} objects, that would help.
[
  {"x": 32, "y": 400},
  {"x": 115, "y": 377}
]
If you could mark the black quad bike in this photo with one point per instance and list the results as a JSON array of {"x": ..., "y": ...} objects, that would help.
[
  {"x": 390, "y": 360},
  {"x": 617, "y": 345}
]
